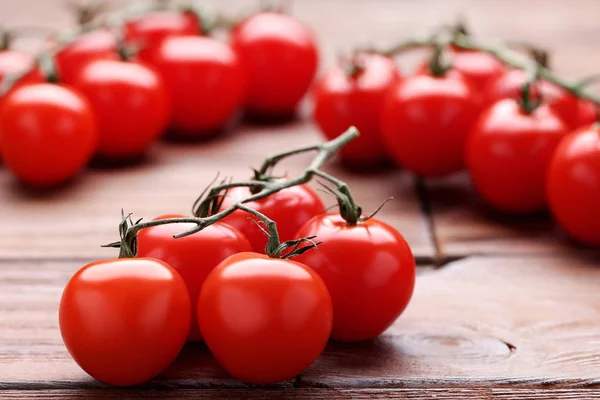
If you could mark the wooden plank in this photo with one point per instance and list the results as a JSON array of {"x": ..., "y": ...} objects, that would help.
[
  {"x": 302, "y": 394},
  {"x": 477, "y": 322},
  {"x": 73, "y": 221}
]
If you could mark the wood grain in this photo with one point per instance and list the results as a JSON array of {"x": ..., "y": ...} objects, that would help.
[{"x": 530, "y": 322}]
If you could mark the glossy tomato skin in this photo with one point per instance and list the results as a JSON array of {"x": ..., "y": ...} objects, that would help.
[
  {"x": 478, "y": 67},
  {"x": 206, "y": 83},
  {"x": 425, "y": 122},
  {"x": 265, "y": 320},
  {"x": 369, "y": 270},
  {"x": 342, "y": 100},
  {"x": 48, "y": 133},
  {"x": 290, "y": 208},
  {"x": 508, "y": 153},
  {"x": 130, "y": 103},
  {"x": 192, "y": 256},
  {"x": 573, "y": 185},
  {"x": 281, "y": 57},
  {"x": 150, "y": 30},
  {"x": 98, "y": 44},
  {"x": 125, "y": 320}
]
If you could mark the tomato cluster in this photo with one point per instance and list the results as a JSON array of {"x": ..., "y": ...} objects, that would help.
[
  {"x": 115, "y": 105},
  {"x": 264, "y": 317},
  {"x": 526, "y": 142}
]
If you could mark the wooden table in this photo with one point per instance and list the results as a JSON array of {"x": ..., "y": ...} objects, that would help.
[{"x": 503, "y": 308}]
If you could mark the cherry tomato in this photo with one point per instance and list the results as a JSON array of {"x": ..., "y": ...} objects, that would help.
[
  {"x": 130, "y": 103},
  {"x": 369, "y": 270},
  {"x": 88, "y": 47},
  {"x": 478, "y": 67},
  {"x": 290, "y": 208},
  {"x": 48, "y": 133},
  {"x": 206, "y": 82},
  {"x": 150, "y": 30},
  {"x": 264, "y": 319},
  {"x": 125, "y": 320},
  {"x": 281, "y": 57},
  {"x": 425, "y": 122},
  {"x": 573, "y": 184},
  {"x": 192, "y": 256},
  {"x": 343, "y": 99},
  {"x": 508, "y": 153}
]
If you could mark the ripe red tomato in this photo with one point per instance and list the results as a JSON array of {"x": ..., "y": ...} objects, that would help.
[
  {"x": 508, "y": 153},
  {"x": 88, "y": 47},
  {"x": 48, "y": 133},
  {"x": 192, "y": 256},
  {"x": 125, "y": 320},
  {"x": 573, "y": 184},
  {"x": 264, "y": 319},
  {"x": 342, "y": 99},
  {"x": 425, "y": 122},
  {"x": 280, "y": 55},
  {"x": 478, "y": 67},
  {"x": 130, "y": 103},
  {"x": 369, "y": 270},
  {"x": 150, "y": 30},
  {"x": 290, "y": 208},
  {"x": 206, "y": 82},
  {"x": 574, "y": 112}
]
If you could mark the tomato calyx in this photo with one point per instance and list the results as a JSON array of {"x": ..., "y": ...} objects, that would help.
[{"x": 437, "y": 66}]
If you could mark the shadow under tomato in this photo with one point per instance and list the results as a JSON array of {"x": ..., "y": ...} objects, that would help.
[
  {"x": 254, "y": 119},
  {"x": 108, "y": 164},
  {"x": 23, "y": 190}
]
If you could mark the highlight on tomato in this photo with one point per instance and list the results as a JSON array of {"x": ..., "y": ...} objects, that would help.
[
  {"x": 352, "y": 94},
  {"x": 48, "y": 133},
  {"x": 130, "y": 103},
  {"x": 194, "y": 256},
  {"x": 206, "y": 83},
  {"x": 572, "y": 185},
  {"x": 368, "y": 269},
  {"x": 508, "y": 153},
  {"x": 280, "y": 56},
  {"x": 264, "y": 319},
  {"x": 125, "y": 320}
]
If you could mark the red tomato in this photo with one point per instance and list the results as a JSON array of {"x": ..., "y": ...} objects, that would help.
[
  {"x": 290, "y": 208},
  {"x": 125, "y": 320},
  {"x": 573, "y": 184},
  {"x": 264, "y": 319},
  {"x": 206, "y": 83},
  {"x": 48, "y": 133},
  {"x": 425, "y": 122},
  {"x": 130, "y": 103},
  {"x": 192, "y": 256},
  {"x": 88, "y": 47},
  {"x": 369, "y": 270},
  {"x": 508, "y": 153},
  {"x": 342, "y": 100},
  {"x": 281, "y": 57},
  {"x": 150, "y": 30},
  {"x": 478, "y": 67}
]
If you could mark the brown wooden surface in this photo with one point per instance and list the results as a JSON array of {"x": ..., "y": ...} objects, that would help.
[{"x": 512, "y": 312}]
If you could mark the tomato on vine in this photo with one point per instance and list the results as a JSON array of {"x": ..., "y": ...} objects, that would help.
[
  {"x": 573, "y": 187},
  {"x": 205, "y": 81},
  {"x": 290, "y": 208},
  {"x": 354, "y": 95},
  {"x": 280, "y": 55},
  {"x": 194, "y": 256},
  {"x": 369, "y": 270},
  {"x": 130, "y": 103},
  {"x": 425, "y": 122},
  {"x": 508, "y": 153},
  {"x": 148, "y": 31},
  {"x": 478, "y": 67},
  {"x": 48, "y": 133},
  {"x": 98, "y": 44},
  {"x": 264, "y": 319},
  {"x": 125, "y": 320}
]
